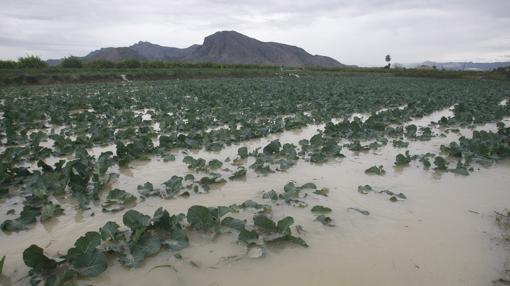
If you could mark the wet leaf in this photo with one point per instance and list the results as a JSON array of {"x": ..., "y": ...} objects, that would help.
[
  {"x": 363, "y": 212},
  {"x": 178, "y": 240},
  {"x": 402, "y": 160},
  {"x": 283, "y": 225},
  {"x": 272, "y": 195},
  {"x": 146, "y": 246},
  {"x": 254, "y": 205},
  {"x": 137, "y": 222},
  {"x": 322, "y": 192},
  {"x": 233, "y": 223},
  {"x": 400, "y": 144},
  {"x": 147, "y": 190},
  {"x": 242, "y": 152},
  {"x": 441, "y": 163},
  {"x": 309, "y": 186},
  {"x": 398, "y": 197},
  {"x": 200, "y": 218},
  {"x": 85, "y": 258},
  {"x": 375, "y": 170},
  {"x": 296, "y": 240},
  {"x": 173, "y": 186},
  {"x": 264, "y": 223},
  {"x": 365, "y": 189},
  {"x": 272, "y": 148},
  {"x": 27, "y": 216},
  {"x": 248, "y": 237},
  {"x": 460, "y": 169},
  {"x": 109, "y": 231},
  {"x": 238, "y": 174},
  {"x": 325, "y": 220},
  {"x": 320, "y": 209},
  {"x": 116, "y": 200},
  {"x": 34, "y": 258},
  {"x": 214, "y": 164},
  {"x": 50, "y": 210}
]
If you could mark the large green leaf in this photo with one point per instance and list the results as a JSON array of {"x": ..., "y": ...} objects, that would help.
[
  {"x": 264, "y": 223},
  {"x": 200, "y": 218},
  {"x": 50, "y": 210},
  {"x": 233, "y": 223},
  {"x": 214, "y": 164},
  {"x": 34, "y": 258},
  {"x": 320, "y": 209},
  {"x": 136, "y": 220},
  {"x": 173, "y": 186},
  {"x": 375, "y": 170},
  {"x": 284, "y": 224},
  {"x": 248, "y": 237},
  {"x": 242, "y": 152},
  {"x": 85, "y": 258},
  {"x": 110, "y": 231},
  {"x": 91, "y": 263},
  {"x": 146, "y": 246},
  {"x": 178, "y": 240},
  {"x": 27, "y": 216},
  {"x": 116, "y": 200}
]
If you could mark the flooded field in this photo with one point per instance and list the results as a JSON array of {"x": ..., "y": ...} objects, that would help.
[{"x": 441, "y": 231}]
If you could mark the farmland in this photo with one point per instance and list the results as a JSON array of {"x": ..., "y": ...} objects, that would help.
[
  {"x": 217, "y": 181},
  {"x": 59, "y": 75}
]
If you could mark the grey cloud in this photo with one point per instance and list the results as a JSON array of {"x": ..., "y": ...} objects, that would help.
[{"x": 355, "y": 32}]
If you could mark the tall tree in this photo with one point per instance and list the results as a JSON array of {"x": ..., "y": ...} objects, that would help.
[{"x": 388, "y": 60}]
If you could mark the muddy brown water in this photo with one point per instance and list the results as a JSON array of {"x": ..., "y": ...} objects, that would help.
[{"x": 443, "y": 234}]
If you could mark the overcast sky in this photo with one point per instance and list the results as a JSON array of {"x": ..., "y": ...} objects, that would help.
[{"x": 358, "y": 32}]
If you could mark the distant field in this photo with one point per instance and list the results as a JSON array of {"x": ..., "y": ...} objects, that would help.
[{"x": 84, "y": 75}]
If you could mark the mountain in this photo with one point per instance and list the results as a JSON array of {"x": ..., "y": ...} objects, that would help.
[
  {"x": 114, "y": 54},
  {"x": 227, "y": 47},
  {"x": 231, "y": 47},
  {"x": 462, "y": 65},
  {"x": 155, "y": 52}
]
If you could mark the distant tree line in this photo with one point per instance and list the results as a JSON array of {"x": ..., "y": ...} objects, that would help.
[
  {"x": 72, "y": 62},
  {"x": 24, "y": 62}
]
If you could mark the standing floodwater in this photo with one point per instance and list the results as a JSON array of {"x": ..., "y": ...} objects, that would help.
[{"x": 280, "y": 181}]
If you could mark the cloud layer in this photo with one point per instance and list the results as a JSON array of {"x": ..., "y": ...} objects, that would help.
[{"x": 354, "y": 32}]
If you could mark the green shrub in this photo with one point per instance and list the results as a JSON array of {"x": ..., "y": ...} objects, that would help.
[
  {"x": 99, "y": 64},
  {"x": 8, "y": 64},
  {"x": 71, "y": 62},
  {"x": 34, "y": 62},
  {"x": 153, "y": 65},
  {"x": 129, "y": 64}
]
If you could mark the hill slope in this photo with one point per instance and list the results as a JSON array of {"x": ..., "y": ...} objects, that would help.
[
  {"x": 228, "y": 47},
  {"x": 114, "y": 54}
]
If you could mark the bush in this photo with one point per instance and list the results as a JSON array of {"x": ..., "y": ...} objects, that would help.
[
  {"x": 31, "y": 62},
  {"x": 153, "y": 65},
  {"x": 128, "y": 64},
  {"x": 100, "y": 64},
  {"x": 7, "y": 64},
  {"x": 71, "y": 62}
]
